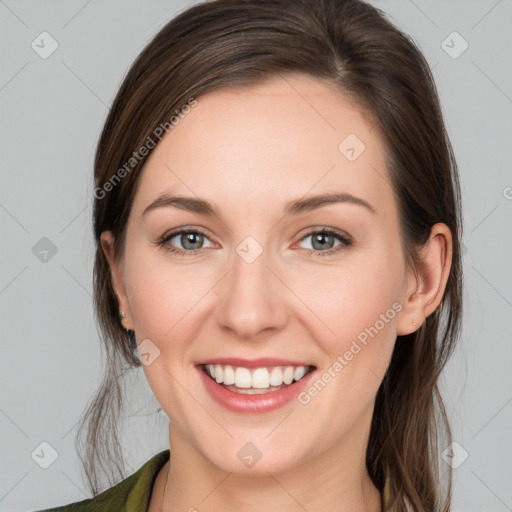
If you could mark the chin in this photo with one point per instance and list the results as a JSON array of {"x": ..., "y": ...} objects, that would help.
[{"x": 252, "y": 458}]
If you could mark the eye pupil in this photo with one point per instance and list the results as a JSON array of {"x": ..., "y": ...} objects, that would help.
[
  {"x": 189, "y": 238},
  {"x": 321, "y": 238}
]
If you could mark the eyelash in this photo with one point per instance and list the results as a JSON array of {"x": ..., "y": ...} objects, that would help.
[{"x": 344, "y": 239}]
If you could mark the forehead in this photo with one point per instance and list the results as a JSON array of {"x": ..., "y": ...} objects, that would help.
[{"x": 266, "y": 144}]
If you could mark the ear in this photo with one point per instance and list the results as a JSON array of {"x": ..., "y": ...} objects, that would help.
[
  {"x": 425, "y": 288},
  {"x": 116, "y": 272}
]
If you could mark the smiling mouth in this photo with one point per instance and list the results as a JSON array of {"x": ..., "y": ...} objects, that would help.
[{"x": 255, "y": 381}]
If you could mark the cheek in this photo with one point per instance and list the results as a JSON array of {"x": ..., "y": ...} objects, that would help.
[
  {"x": 163, "y": 296},
  {"x": 165, "y": 301},
  {"x": 357, "y": 333},
  {"x": 351, "y": 297},
  {"x": 356, "y": 308}
]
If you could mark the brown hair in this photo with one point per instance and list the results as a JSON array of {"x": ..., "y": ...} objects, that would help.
[{"x": 354, "y": 47}]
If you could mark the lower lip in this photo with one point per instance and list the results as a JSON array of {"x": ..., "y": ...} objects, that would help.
[{"x": 264, "y": 402}]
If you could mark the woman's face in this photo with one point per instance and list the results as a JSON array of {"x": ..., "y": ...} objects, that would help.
[{"x": 255, "y": 280}]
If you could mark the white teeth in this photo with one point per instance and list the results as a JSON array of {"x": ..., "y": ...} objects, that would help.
[
  {"x": 288, "y": 375},
  {"x": 276, "y": 376},
  {"x": 229, "y": 375},
  {"x": 218, "y": 373},
  {"x": 300, "y": 371},
  {"x": 242, "y": 378},
  {"x": 258, "y": 378}
]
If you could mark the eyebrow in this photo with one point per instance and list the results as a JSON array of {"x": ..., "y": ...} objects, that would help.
[{"x": 294, "y": 207}]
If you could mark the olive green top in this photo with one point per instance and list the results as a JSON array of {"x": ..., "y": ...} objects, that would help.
[{"x": 133, "y": 493}]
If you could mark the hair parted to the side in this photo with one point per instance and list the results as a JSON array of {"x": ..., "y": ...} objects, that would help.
[{"x": 355, "y": 48}]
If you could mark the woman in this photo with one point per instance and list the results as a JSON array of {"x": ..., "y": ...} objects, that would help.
[{"x": 278, "y": 222}]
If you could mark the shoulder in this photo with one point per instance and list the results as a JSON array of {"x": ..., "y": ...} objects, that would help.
[
  {"x": 386, "y": 497},
  {"x": 389, "y": 505},
  {"x": 131, "y": 494}
]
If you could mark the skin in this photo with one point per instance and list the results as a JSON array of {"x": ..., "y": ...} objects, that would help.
[{"x": 287, "y": 303}]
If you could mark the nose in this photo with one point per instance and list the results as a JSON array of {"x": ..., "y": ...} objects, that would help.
[{"x": 253, "y": 299}]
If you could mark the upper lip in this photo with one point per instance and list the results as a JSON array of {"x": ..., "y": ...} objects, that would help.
[{"x": 253, "y": 363}]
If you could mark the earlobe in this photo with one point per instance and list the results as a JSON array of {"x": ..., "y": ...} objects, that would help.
[
  {"x": 116, "y": 273},
  {"x": 411, "y": 316},
  {"x": 429, "y": 280}
]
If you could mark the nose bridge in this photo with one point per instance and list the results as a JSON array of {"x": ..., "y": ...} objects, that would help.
[{"x": 252, "y": 300}]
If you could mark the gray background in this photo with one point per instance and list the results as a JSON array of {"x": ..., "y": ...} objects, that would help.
[{"x": 52, "y": 111}]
